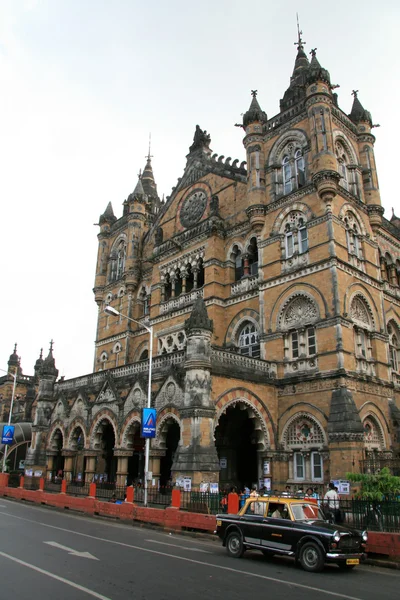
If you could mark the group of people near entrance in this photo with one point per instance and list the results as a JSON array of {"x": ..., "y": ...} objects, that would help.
[{"x": 330, "y": 502}]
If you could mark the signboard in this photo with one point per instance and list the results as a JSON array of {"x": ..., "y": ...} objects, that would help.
[
  {"x": 204, "y": 486},
  {"x": 267, "y": 467},
  {"x": 149, "y": 417},
  {"x": 29, "y": 472},
  {"x": 214, "y": 489},
  {"x": 38, "y": 473},
  {"x": 187, "y": 484},
  {"x": 343, "y": 486},
  {"x": 8, "y": 434},
  {"x": 223, "y": 463}
]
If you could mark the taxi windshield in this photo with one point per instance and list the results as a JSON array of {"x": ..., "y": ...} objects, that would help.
[{"x": 307, "y": 512}]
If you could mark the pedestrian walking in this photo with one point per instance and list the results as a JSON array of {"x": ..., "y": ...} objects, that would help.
[{"x": 331, "y": 503}]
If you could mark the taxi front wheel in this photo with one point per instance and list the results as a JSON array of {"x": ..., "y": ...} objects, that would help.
[
  {"x": 234, "y": 544},
  {"x": 311, "y": 557}
]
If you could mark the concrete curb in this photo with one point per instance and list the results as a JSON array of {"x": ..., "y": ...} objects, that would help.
[{"x": 377, "y": 562}]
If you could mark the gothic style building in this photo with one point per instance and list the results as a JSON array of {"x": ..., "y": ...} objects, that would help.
[{"x": 273, "y": 289}]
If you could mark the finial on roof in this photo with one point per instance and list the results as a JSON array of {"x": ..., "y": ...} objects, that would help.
[
  {"x": 14, "y": 359},
  {"x": 300, "y": 43},
  {"x": 255, "y": 112},
  {"x": 149, "y": 156},
  {"x": 108, "y": 215},
  {"x": 313, "y": 52},
  {"x": 358, "y": 113},
  {"x": 51, "y": 347}
]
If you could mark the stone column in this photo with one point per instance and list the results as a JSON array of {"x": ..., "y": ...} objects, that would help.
[
  {"x": 196, "y": 455},
  {"x": 68, "y": 464},
  {"x": 90, "y": 468},
  {"x": 50, "y": 464},
  {"x": 122, "y": 466}
]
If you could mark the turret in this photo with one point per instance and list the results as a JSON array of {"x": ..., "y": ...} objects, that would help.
[
  {"x": 39, "y": 365},
  {"x": 149, "y": 185},
  {"x": 297, "y": 87},
  {"x": 363, "y": 120},
  {"x": 319, "y": 101},
  {"x": 13, "y": 361},
  {"x": 253, "y": 124},
  {"x": 106, "y": 221}
]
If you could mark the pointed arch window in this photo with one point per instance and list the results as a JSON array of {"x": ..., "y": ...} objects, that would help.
[
  {"x": 248, "y": 340},
  {"x": 117, "y": 350},
  {"x": 296, "y": 234},
  {"x": 300, "y": 168},
  {"x": 353, "y": 235},
  {"x": 121, "y": 258},
  {"x": 286, "y": 175},
  {"x": 394, "y": 347}
]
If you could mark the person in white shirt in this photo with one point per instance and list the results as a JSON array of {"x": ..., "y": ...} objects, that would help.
[{"x": 331, "y": 502}]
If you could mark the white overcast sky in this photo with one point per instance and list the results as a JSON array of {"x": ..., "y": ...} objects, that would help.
[{"x": 83, "y": 82}]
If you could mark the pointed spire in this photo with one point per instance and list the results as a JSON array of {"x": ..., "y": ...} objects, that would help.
[
  {"x": 138, "y": 191},
  {"x": 13, "y": 361},
  {"x": 358, "y": 113},
  {"x": 49, "y": 365},
  {"x": 301, "y": 61},
  {"x": 296, "y": 89},
  {"x": 255, "y": 112},
  {"x": 108, "y": 215},
  {"x": 199, "y": 317},
  {"x": 148, "y": 181},
  {"x": 316, "y": 72}
]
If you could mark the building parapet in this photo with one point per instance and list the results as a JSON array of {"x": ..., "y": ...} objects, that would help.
[
  {"x": 181, "y": 301},
  {"x": 244, "y": 285},
  {"x": 223, "y": 357}
]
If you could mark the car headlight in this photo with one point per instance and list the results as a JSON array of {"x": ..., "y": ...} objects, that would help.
[
  {"x": 336, "y": 536},
  {"x": 364, "y": 536}
]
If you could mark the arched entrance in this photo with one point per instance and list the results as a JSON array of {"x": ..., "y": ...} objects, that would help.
[
  {"x": 135, "y": 462},
  {"x": 106, "y": 463},
  {"x": 170, "y": 436},
  {"x": 237, "y": 439}
]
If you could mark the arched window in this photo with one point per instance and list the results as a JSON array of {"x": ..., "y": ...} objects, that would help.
[
  {"x": 248, "y": 340},
  {"x": 144, "y": 355},
  {"x": 394, "y": 347},
  {"x": 305, "y": 439},
  {"x": 296, "y": 234},
  {"x": 200, "y": 274},
  {"x": 363, "y": 327},
  {"x": 253, "y": 256},
  {"x": 103, "y": 361},
  {"x": 237, "y": 257},
  {"x": 189, "y": 278},
  {"x": 300, "y": 168},
  {"x": 167, "y": 287},
  {"x": 348, "y": 179},
  {"x": 121, "y": 257},
  {"x": 117, "y": 349},
  {"x": 373, "y": 436},
  {"x": 353, "y": 235},
  {"x": 286, "y": 175}
]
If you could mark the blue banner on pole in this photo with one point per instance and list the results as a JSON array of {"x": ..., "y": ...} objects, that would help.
[
  {"x": 149, "y": 417},
  {"x": 8, "y": 434}
]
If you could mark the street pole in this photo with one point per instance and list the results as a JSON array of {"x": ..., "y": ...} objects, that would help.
[
  {"x": 113, "y": 311},
  {"x": 10, "y": 415}
]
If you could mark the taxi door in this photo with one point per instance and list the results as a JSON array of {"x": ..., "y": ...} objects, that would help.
[
  {"x": 252, "y": 521},
  {"x": 277, "y": 529}
]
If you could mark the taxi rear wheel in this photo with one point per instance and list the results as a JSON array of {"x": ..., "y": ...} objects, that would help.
[
  {"x": 234, "y": 544},
  {"x": 311, "y": 557}
]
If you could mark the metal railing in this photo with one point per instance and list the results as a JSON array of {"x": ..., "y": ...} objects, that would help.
[
  {"x": 365, "y": 514},
  {"x": 110, "y": 492},
  {"x": 78, "y": 488},
  {"x": 31, "y": 483},
  {"x": 201, "y": 502},
  {"x": 53, "y": 485},
  {"x": 156, "y": 497}
]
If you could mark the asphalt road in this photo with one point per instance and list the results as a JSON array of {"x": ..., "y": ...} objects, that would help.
[{"x": 45, "y": 553}]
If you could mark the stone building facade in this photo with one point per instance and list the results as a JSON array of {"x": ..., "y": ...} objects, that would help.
[{"x": 273, "y": 288}]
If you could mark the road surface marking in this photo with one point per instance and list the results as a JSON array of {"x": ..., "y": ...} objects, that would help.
[
  {"x": 179, "y": 546},
  {"x": 71, "y": 550},
  {"x": 191, "y": 560},
  {"x": 53, "y": 576}
]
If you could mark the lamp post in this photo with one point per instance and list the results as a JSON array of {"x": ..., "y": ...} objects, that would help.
[
  {"x": 10, "y": 415},
  {"x": 114, "y": 312}
]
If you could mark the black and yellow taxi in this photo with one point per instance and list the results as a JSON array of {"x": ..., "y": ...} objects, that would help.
[{"x": 293, "y": 527}]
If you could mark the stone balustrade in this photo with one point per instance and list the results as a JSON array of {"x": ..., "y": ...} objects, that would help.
[
  {"x": 244, "y": 285},
  {"x": 181, "y": 301}
]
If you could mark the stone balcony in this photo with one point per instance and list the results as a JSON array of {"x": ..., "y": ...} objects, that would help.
[
  {"x": 246, "y": 284},
  {"x": 225, "y": 358},
  {"x": 181, "y": 301}
]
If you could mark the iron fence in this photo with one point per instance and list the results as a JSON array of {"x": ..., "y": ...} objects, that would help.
[
  {"x": 157, "y": 497},
  {"x": 78, "y": 488},
  {"x": 31, "y": 483},
  {"x": 53, "y": 486},
  {"x": 14, "y": 480},
  {"x": 375, "y": 463},
  {"x": 202, "y": 502},
  {"x": 110, "y": 492},
  {"x": 366, "y": 514}
]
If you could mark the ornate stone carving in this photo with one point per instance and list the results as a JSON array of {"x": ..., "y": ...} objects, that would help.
[
  {"x": 201, "y": 139},
  {"x": 193, "y": 208},
  {"x": 300, "y": 310},
  {"x": 359, "y": 312}
]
